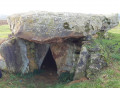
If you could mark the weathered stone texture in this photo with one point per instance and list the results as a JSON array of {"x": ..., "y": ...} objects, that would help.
[
  {"x": 96, "y": 63},
  {"x": 36, "y": 54},
  {"x": 14, "y": 53},
  {"x": 82, "y": 64},
  {"x": 22, "y": 56},
  {"x": 51, "y": 27},
  {"x": 66, "y": 56}
]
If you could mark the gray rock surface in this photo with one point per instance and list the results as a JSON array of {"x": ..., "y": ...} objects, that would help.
[
  {"x": 21, "y": 56},
  {"x": 66, "y": 56},
  {"x": 36, "y": 54},
  {"x": 14, "y": 53},
  {"x": 82, "y": 64},
  {"x": 54, "y": 27},
  {"x": 95, "y": 65}
]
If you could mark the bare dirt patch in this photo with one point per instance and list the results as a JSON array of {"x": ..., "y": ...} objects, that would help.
[{"x": 48, "y": 77}]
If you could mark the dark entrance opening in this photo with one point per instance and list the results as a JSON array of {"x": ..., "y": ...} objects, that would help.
[
  {"x": 49, "y": 63},
  {"x": 48, "y": 70}
]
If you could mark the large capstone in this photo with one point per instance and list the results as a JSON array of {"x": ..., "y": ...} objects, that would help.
[{"x": 54, "y": 27}]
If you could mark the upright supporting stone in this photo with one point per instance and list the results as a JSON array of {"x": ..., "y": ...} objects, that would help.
[
  {"x": 21, "y": 56},
  {"x": 14, "y": 52},
  {"x": 66, "y": 56},
  {"x": 82, "y": 64}
]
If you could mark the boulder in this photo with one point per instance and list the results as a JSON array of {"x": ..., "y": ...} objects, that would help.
[
  {"x": 14, "y": 53},
  {"x": 47, "y": 27},
  {"x": 36, "y": 54},
  {"x": 66, "y": 56},
  {"x": 90, "y": 62},
  {"x": 96, "y": 63},
  {"x": 21, "y": 56},
  {"x": 82, "y": 64}
]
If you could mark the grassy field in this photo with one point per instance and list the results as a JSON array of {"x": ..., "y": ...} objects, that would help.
[
  {"x": 108, "y": 78},
  {"x": 4, "y": 31}
]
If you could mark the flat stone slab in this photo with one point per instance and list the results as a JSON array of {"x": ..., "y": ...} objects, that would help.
[{"x": 47, "y": 27}]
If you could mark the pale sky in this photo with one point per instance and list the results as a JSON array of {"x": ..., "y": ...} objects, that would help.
[{"x": 80, "y": 6}]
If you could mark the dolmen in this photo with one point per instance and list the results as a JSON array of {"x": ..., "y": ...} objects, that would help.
[{"x": 67, "y": 35}]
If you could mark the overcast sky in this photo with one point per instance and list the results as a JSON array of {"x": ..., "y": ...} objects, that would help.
[{"x": 83, "y": 6}]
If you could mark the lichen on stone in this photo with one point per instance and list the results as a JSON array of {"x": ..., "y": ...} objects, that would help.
[{"x": 66, "y": 25}]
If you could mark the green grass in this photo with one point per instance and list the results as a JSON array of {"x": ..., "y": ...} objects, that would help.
[
  {"x": 108, "y": 78},
  {"x": 111, "y": 46},
  {"x": 10, "y": 80},
  {"x": 4, "y": 31}
]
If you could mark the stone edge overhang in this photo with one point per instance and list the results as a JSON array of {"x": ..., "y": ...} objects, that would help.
[{"x": 60, "y": 38}]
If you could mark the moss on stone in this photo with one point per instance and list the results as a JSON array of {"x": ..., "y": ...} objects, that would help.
[
  {"x": 66, "y": 25},
  {"x": 87, "y": 29},
  {"x": 31, "y": 54},
  {"x": 13, "y": 39},
  {"x": 101, "y": 34}
]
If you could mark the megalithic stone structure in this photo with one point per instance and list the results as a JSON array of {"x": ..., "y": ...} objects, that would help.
[
  {"x": 51, "y": 27},
  {"x": 65, "y": 34}
]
